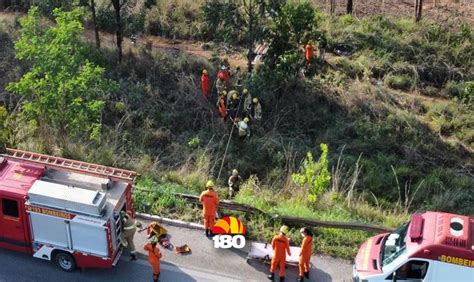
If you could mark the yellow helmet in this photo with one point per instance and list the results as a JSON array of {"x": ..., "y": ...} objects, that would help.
[
  {"x": 246, "y": 91},
  {"x": 235, "y": 172},
  {"x": 204, "y": 71},
  {"x": 246, "y": 120},
  {"x": 224, "y": 92},
  {"x": 284, "y": 229},
  {"x": 210, "y": 184},
  {"x": 255, "y": 100},
  {"x": 234, "y": 96}
]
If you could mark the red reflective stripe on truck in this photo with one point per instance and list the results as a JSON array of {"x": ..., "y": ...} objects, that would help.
[
  {"x": 91, "y": 261},
  {"x": 109, "y": 240}
]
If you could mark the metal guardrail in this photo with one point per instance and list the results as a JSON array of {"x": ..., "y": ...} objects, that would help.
[{"x": 290, "y": 220}]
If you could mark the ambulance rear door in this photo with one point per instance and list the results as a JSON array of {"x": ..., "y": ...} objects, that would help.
[{"x": 451, "y": 272}]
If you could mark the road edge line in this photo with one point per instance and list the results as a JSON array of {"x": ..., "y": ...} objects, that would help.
[{"x": 174, "y": 222}]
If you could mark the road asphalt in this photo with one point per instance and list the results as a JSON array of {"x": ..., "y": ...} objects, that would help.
[{"x": 205, "y": 263}]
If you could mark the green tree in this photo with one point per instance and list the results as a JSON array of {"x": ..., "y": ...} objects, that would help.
[
  {"x": 223, "y": 20},
  {"x": 314, "y": 175},
  {"x": 63, "y": 90},
  {"x": 291, "y": 28}
]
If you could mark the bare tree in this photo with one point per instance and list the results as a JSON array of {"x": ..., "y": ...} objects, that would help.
[
  {"x": 252, "y": 12},
  {"x": 333, "y": 7},
  {"x": 349, "y": 7},
  {"x": 418, "y": 9},
  {"x": 94, "y": 21},
  {"x": 118, "y": 5}
]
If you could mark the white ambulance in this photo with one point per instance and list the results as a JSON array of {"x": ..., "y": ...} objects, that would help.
[{"x": 433, "y": 246}]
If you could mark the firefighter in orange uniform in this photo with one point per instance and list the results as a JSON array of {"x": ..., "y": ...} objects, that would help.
[
  {"x": 154, "y": 257},
  {"x": 281, "y": 246},
  {"x": 222, "y": 105},
  {"x": 309, "y": 53},
  {"x": 306, "y": 252},
  {"x": 205, "y": 83},
  {"x": 210, "y": 202}
]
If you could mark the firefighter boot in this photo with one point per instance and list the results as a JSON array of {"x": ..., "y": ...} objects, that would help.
[
  {"x": 133, "y": 256},
  {"x": 306, "y": 274},
  {"x": 271, "y": 276},
  {"x": 282, "y": 278}
]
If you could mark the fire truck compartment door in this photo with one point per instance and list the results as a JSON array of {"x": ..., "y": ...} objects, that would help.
[
  {"x": 11, "y": 224},
  {"x": 49, "y": 230},
  {"x": 88, "y": 237}
]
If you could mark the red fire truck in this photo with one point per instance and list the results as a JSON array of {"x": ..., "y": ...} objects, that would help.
[
  {"x": 433, "y": 246},
  {"x": 63, "y": 210}
]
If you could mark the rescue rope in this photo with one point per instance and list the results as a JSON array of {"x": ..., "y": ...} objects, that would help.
[{"x": 228, "y": 141}]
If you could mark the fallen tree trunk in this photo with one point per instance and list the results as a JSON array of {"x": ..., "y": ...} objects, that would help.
[{"x": 290, "y": 220}]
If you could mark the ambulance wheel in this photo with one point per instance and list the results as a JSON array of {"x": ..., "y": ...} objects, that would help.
[{"x": 65, "y": 261}]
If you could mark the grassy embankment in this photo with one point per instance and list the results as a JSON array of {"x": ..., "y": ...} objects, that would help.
[{"x": 403, "y": 101}]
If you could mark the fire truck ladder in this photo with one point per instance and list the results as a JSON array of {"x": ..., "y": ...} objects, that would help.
[{"x": 71, "y": 165}]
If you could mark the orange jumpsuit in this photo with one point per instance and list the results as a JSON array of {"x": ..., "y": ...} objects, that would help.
[
  {"x": 305, "y": 256},
  {"x": 210, "y": 201},
  {"x": 205, "y": 83},
  {"x": 281, "y": 246},
  {"x": 154, "y": 256},
  {"x": 222, "y": 108},
  {"x": 309, "y": 53}
]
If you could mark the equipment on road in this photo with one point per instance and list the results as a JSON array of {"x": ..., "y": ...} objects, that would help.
[
  {"x": 183, "y": 250},
  {"x": 264, "y": 252},
  {"x": 433, "y": 246},
  {"x": 63, "y": 210}
]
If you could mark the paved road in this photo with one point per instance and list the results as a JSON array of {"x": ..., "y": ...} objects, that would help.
[{"x": 204, "y": 264}]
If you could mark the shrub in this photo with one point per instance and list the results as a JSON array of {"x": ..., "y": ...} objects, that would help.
[
  {"x": 222, "y": 21},
  {"x": 174, "y": 19},
  {"x": 400, "y": 82},
  {"x": 314, "y": 174}
]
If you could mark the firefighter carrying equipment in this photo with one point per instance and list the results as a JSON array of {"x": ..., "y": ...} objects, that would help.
[
  {"x": 233, "y": 104},
  {"x": 309, "y": 52},
  {"x": 205, "y": 83},
  {"x": 210, "y": 202},
  {"x": 154, "y": 258},
  {"x": 247, "y": 101},
  {"x": 234, "y": 183},
  {"x": 222, "y": 106},
  {"x": 255, "y": 109},
  {"x": 223, "y": 75},
  {"x": 230, "y": 95},
  {"x": 281, "y": 247},
  {"x": 322, "y": 46},
  {"x": 129, "y": 229},
  {"x": 244, "y": 130}
]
